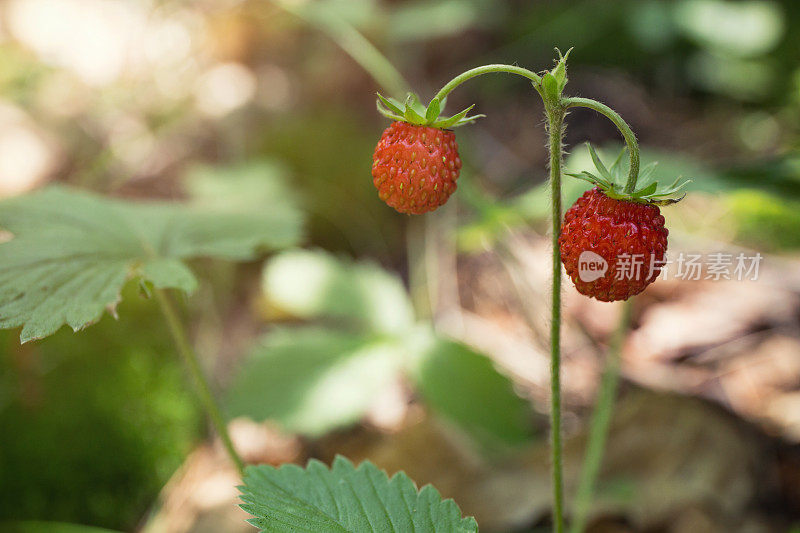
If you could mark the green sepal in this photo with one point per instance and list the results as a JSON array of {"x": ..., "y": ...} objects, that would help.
[
  {"x": 553, "y": 81},
  {"x": 391, "y": 104},
  {"x": 560, "y": 72},
  {"x": 612, "y": 182},
  {"x": 646, "y": 191},
  {"x": 550, "y": 85},
  {"x": 413, "y": 117},
  {"x": 432, "y": 112},
  {"x": 414, "y": 112},
  {"x": 599, "y": 164}
]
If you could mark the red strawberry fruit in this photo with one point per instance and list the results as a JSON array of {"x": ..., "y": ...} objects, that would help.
[
  {"x": 613, "y": 240},
  {"x": 416, "y": 164},
  {"x": 612, "y": 249},
  {"x": 415, "y": 168}
]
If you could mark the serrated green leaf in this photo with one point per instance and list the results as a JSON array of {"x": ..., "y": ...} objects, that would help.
[
  {"x": 464, "y": 386},
  {"x": 72, "y": 251},
  {"x": 345, "y": 499},
  {"x": 432, "y": 112},
  {"x": 316, "y": 284},
  {"x": 311, "y": 380}
]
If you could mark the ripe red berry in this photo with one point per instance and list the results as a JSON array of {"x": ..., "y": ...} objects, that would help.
[
  {"x": 612, "y": 249},
  {"x": 415, "y": 168}
]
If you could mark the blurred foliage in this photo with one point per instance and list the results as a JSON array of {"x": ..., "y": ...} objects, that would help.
[
  {"x": 260, "y": 185},
  {"x": 325, "y": 150},
  {"x": 243, "y": 105},
  {"x": 764, "y": 221},
  {"x": 309, "y": 285},
  {"x": 312, "y": 379},
  {"x": 99, "y": 420},
  {"x": 49, "y": 527},
  {"x": 462, "y": 384}
]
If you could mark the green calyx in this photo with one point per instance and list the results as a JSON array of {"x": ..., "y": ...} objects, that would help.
[
  {"x": 552, "y": 82},
  {"x": 612, "y": 182},
  {"x": 413, "y": 112}
]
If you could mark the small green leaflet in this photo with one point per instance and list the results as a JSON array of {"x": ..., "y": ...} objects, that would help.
[
  {"x": 311, "y": 379},
  {"x": 345, "y": 499},
  {"x": 70, "y": 252},
  {"x": 313, "y": 284},
  {"x": 463, "y": 386}
]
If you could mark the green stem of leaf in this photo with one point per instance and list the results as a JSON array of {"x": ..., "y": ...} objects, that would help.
[
  {"x": 555, "y": 124},
  {"x": 203, "y": 388},
  {"x": 485, "y": 69},
  {"x": 600, "y": 422},
  {"x": 624, "y": 129}
]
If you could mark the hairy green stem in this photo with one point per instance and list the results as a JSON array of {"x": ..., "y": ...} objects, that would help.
[
  {"x": 203, "y": 389},
  {"x": 555, "y": 124},
  {"x": 624, "y": 129},
  {"x": 486, "y": 69},
  {"x": 600, "y": 422}
]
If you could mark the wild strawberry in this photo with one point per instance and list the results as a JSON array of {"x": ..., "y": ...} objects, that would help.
[
  {"x": 612, "y": 241},
  {"x": 612, "y": 249},
  {"x": 415, "y": 168},
  {"x": 416, "y": 164}
]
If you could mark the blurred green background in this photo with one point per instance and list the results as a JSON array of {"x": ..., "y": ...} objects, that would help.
[{"x": 143, "y": 98}]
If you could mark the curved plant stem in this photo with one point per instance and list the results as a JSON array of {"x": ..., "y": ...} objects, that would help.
[
  {"x": 203, "y": 389},
  {"x": 486, "y": 69},
  {"x": 555, "y": 124},
  {"x": 624, "y": 129},
  {"x": 601, "y": 420}
]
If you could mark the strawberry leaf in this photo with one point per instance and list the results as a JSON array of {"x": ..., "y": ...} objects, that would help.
[
  {"x": 345, "y": 498},
  {"x": 70, "y": 252}
]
